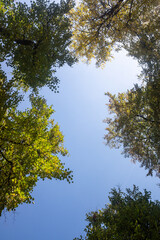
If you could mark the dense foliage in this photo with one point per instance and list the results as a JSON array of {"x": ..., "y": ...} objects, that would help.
[
  {"x": 131, "y": 215},
  {"x": 135, "y": 124},
  {"x": 35, "y": 40},
  {"x": 102, "y": 25},
  {"x": 99, "y": 26},
  {"x": 30, "y": 146}
]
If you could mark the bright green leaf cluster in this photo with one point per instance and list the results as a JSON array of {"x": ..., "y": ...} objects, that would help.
[{"x": 29, "y": 145}]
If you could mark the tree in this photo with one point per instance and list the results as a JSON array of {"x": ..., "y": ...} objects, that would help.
[
  {"x": 145, "y": 46},
  {"x": 135, "y": 124},
  {"x": 99, "y": 26},
  {"x": 131, "y": 215},
  {"x": 35, "y": 40},
  {"x": 102, "y": 25},
  {"x": 30, "y": 146}
]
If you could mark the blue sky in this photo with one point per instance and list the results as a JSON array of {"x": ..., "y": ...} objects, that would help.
[{"x": 60, "y": 208}]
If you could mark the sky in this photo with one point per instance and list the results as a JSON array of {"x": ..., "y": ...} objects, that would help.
[{"x": 60, "y": 208}]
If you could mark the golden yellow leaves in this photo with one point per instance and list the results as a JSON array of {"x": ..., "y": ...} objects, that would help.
[{"x": 98, "y": 26}]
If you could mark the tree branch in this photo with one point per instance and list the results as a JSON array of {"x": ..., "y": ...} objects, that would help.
[
  {"x": 17, "y": 143},
  {"x": 147, "y": 119},
  {"x": 110, "y": 13},
  {"x": 10, "y": 162},
  {"x": 24, "y": 42}
]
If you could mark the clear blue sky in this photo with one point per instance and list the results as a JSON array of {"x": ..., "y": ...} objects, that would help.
[{"x": 60, "y": 208}]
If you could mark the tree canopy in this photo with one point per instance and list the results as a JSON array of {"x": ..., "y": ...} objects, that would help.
[
  {"x": 135, "y": 124},
  {"x": 35, "y": 40},
  {"x": 30, "y": 146},
  {"x": 131, "y": 215},
  {"x": 99, "y": 26},
  {"x": 102, "y": 25}
]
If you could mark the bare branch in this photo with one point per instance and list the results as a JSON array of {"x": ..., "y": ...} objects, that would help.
[
  {"x": 147, "y": 119},
  {"x": 10, "y": 162},
  {"x": 17, "y": 143}
]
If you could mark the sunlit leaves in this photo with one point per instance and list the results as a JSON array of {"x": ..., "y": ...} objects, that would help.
[
  {"x": 34, "y": 42},
  {"x": 101, "y": 25},
  {"x": 30, "y": 144}
]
